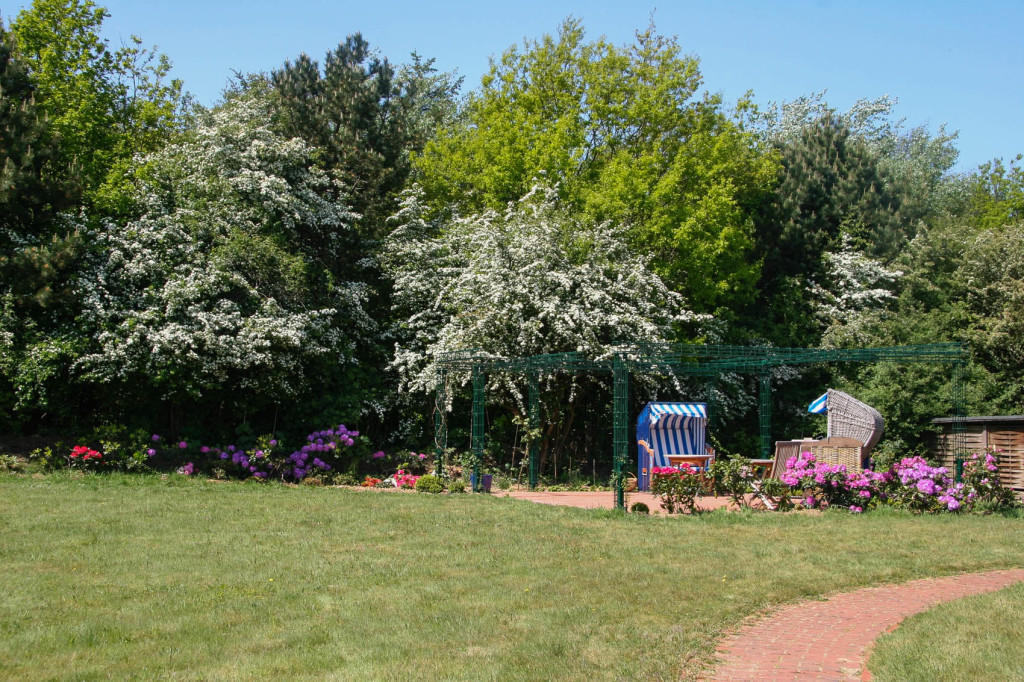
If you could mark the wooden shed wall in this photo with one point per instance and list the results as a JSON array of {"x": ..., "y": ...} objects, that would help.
[{"x": 1007, "y": 437}]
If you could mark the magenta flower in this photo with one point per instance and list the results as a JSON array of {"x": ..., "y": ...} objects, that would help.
[
  {"x": 156, "y": 438},
  {"x": 150, "y": 452},
  {"x": 182, "y": 445}
]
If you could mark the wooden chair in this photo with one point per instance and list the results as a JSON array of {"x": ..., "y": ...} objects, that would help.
[{"x": 835, "y": 450}]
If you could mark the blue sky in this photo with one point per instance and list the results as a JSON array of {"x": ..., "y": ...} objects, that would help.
[{"x": 959, "y": 63}]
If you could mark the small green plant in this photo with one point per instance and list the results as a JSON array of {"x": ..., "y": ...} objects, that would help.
[
  {"x": 503, "y": 482},
  {"x": 10, "y": 463},
  {"x": 640, "y": 508},
  {"x": 46, "y": 457},
  {"x": 457, "y": 486},
  {"x": 429, "y": 483},
  {"x": 732, "y": 478},
  {"x": 343, "y": 478},
  {"x": 774, "y": 493}
]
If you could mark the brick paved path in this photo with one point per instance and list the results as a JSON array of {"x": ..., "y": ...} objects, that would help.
[{"x": 829, "y": 640}]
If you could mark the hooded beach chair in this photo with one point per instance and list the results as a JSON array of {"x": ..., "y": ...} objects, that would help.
[{"x": 670, "y": 434}]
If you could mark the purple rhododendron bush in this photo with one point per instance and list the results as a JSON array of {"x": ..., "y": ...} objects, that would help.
[
  {"x": 333, "y": 455},
  {"x": 911, "y": 483}
]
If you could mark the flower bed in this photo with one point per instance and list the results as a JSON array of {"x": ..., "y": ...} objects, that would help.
[{"x": 912, "y": 484}]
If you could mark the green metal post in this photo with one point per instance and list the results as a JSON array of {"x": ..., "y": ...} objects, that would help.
[
  {"x": 764, "y": 413},
  {"x": 620, "y": 405},
  {"x": 479, "y": 396},
  {"x": 441, "y": 420},
  {"x": 533, "y": 411},
  {"x": 959, "y": 410}
]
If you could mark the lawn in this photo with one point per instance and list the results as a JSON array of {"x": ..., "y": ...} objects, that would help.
[
  {"x": 141, "y": 577},
  {"x": 977, "y": 638}
]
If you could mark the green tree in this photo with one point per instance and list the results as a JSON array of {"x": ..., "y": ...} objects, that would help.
[
  {"x": 626, "y": 137},
  {"x": 830, "y": 187},
  {"x": 30, "y": 194},
  {"x": 365, "y": 118},
  {"x": 997, "y": 193},
  {"x": 104, "y": 104}
]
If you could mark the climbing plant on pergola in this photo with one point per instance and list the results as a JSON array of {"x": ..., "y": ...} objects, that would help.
[{"x": 709, "y": 361}]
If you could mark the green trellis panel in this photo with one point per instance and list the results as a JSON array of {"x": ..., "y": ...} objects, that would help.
[
  {"x": 479, "y": 398},
  {"x": 764, "y": 413},
  {"x": 620, "y": 427},
  {"x": 441, "y": 419},
  {"x": 959, "y": 410},
  {"x": 533, "y": 412}
]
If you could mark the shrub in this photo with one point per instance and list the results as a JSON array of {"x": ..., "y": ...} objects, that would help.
[
  {"x": 429, "y": 483},
  {"x": 732, "y": 478},
  {"x": 678, "y": 489},
  {"x": 85, "y": 458},
  {"x": 830, "y": 485},
  {"x": 982, "y": 488},
  {"x": 918, "y": 486},
  {"x": 457, "y": 486},
  {"x": 47, "y": 457},
  {"x": 122, "y": 447},
  {"x": 640, "y": 508},
  {"x": 344, "y": 478},
  {"x": 10, "y": 463}
]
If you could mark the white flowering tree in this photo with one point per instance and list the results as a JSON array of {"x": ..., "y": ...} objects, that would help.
[
  {"x": 524, "y": 281},
  {"x": 221, "y": 286},
  {"x": 854, "y": 285}
]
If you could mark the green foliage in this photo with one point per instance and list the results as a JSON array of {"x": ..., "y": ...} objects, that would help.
[
  {"x": 123, "y": 448},
  {"x": 429, "y": 483},
  {"x": 31, "y": 189},
  {"x": 830, "y": 185},
  {"x": 732, "y": 478},
  {"x": 623, "y": 134},
  {"x": 48, "y": 458},
  {"x": 997, "y": 194},
  {"x": 11, "y": 464},
  {"x": 104, "y": 105},
  {"x": 639, "y": 508},
  {"x": 363, "y": 118},
  {"x": 457, "y": 486}
]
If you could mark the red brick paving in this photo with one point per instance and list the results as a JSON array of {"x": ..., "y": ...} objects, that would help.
[{"x": 829, "y": 640}]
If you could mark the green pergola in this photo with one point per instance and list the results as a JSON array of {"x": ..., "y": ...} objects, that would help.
[{"x": 708, "y": 361}]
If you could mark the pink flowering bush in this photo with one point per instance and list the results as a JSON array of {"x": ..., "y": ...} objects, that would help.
[
  {"x": 678, "y": 489},
  {"x": 983, "y": 490},
  {"x": 918, "y": 486},
  {"x": 912, "y": 484},
  {"x": 831, "y": 485}
]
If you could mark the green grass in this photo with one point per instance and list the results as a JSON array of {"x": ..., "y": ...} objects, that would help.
[
  {"x": 117, "y": 577},
  {"x": 976, "y": 638}
]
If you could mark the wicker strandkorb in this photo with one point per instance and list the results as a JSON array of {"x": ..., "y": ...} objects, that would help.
[{"x": 850, "y": 418}]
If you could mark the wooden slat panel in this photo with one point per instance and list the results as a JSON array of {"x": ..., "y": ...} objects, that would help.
[{"x": 1010, "y": 440}]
